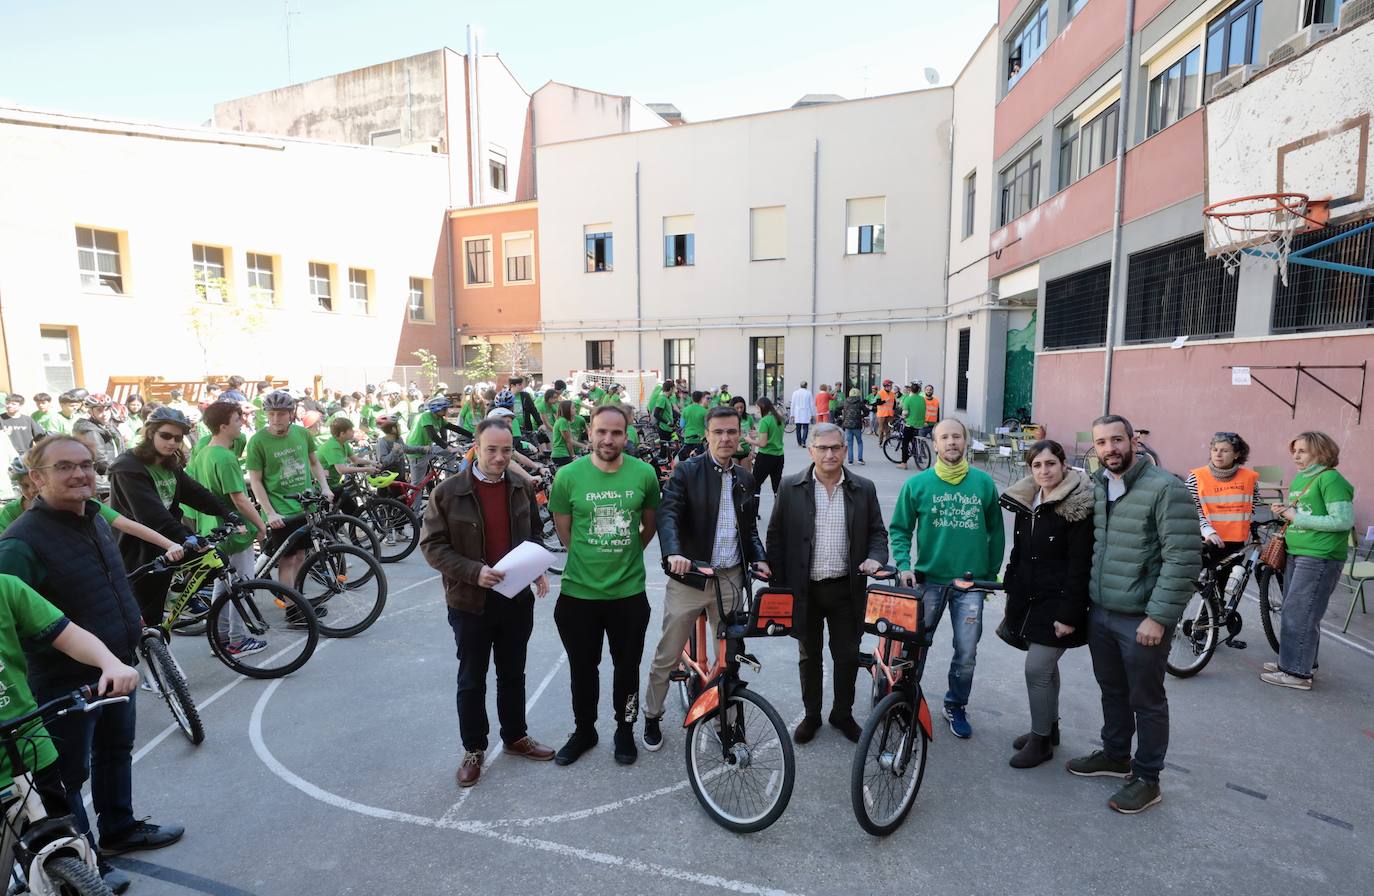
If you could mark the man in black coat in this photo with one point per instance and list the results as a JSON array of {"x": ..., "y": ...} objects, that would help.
[
  {"x": 825, "y": 536},
  {"x": 708, "y": 516}
]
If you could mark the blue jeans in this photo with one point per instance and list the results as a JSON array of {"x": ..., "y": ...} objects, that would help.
[
  {"x": 852, "y": 438},
  {"x": 97, "y": 745},
  {"x": 966, "y": 620},
  {"x": 802, "y": 430},
  {"x": 1307, "y": 586}
]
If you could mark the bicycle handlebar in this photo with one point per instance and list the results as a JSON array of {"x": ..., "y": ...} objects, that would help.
[{"x": 84, "y": 699}]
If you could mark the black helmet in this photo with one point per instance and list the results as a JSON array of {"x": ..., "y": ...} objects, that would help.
[
  {"x": 280, "y": 400},
  {"x": 72, "y": 396},
  {"x": 17, "y": 470},
  {"x": 167, "y": 414}
]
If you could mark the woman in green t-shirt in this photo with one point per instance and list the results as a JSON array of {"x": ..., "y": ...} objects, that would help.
[
  {"x": 768, "y": 440},
  {"x": 744, "y": 455},
  {"x": 566, "y": 447},
  {"x": 1321, "y": 514}
]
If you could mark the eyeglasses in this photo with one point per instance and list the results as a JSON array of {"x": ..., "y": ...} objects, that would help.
[
  {"x": 169, "y": 435},
  {"x": 66, "y": 467},
  {"x": 827, "y": 449}
]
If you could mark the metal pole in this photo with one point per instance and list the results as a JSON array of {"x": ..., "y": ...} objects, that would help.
[
  {"x": 815, "y": 226},
  {"x": 639, "y": 303},
  {"x": 1114, "y": 285}
]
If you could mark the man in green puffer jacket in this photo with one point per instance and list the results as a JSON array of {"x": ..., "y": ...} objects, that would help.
[{"x": 1146, "y": 558}]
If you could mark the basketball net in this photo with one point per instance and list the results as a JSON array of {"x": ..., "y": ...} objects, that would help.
[{"x": 1261, "y": 226}]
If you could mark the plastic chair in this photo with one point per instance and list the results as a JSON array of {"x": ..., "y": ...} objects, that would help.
[
  {"x": 1271, "y": 482},
  {"x": 1358, "y": 571}
]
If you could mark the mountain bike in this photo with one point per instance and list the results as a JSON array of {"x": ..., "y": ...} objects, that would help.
[
  {"x": 739, "y": 753},
  {"x": 890, "y": 758},
  {"x": 415, "y": 495},
  {"x": 1212, "y": 615},
  {"x": 344, "y": 584},
  {"x": 921, "y": 454},
  {"x": 46, "y": 854},
  {"x": 396, "y": 524}
]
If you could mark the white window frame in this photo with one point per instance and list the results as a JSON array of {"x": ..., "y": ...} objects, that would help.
[
  {"x": 256, "y": 291},
  {"x": 353, "y": 289},
  {"x": 754, "y": 218},
  {"x": 507, "y": 238},
  {"x": 204, "y": 270},
  {"x": 1028, "y": 42},
  {"x": 93, "y": 279},
  {"x": 854, "y": 235},
  {"x": 314, "y": 279},
  {"x": 426, "y": 293}
]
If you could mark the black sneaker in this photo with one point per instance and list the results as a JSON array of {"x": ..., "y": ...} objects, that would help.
[
  {"x": 1098, "y": 764},
  {"x": 653, "y": 737},
  {"x": 143, "y": 835},
  {"x": 625, "y": 750},
  {"x": 1137, "y": 796},
  {"x": 579, "y": 742}
]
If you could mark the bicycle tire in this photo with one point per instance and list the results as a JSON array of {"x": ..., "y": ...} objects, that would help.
[
  {"x": 265, "y": 605},
  {"x": 702, "y": 742},
  {"x": 892, "y": 447},
  {"x": 387, "y": 515},
  {"x": 327, "y": 578},
  {"x": 172, "y": 685},
  {"x": 548, "y": 532},
  {"x": 1195, "y": 636},
  {"x": 351, "y": 530},
  {"x": 923, "y": 454},
  {"x": 896, "y": 714},
  {"x": 1271, "y": 603},
  {"x": 74, "y": 877},
  {"x": 790, "y": 426}
]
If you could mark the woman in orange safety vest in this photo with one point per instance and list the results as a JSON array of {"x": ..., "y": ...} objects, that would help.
[{"x": 1226, "y": 493}]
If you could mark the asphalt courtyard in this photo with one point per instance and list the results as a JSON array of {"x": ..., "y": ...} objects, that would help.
[{"x": 340, "y": 780}]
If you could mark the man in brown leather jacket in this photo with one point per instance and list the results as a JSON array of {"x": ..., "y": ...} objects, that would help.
[{"x": 473, "y": 520}]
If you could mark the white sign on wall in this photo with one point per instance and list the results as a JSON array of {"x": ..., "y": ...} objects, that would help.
[{"x": 1240, "y": 376}]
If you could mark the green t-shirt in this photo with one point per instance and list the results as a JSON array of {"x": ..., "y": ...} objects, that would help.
[
  {"x": 605, "y": 559},
  {"x": 57, "y": 424},
  {"x": 284, "y": 462},
  {"x": 693, "y": 423},
  {"x": 914, "y": 407},
  {"x": 546, "y": 411},
  {"x": 44, "y": 420},
  {"x": 597, "y": 395},
  {"x": 240, "y": 445},
  {"x": 560, "y": 446},
  {"x": 665, "y": 402},
  {"x": 835, "y": 403},
  {"x": 421, "y": 428},
  {"x": 165, "y": 481},
  {"x": 367, "y": 416},
  {"x": 25, "y": 615},
  {"x": 332, "y": 452},
  {"x": 217, "y": 468},
  {"x": 579, "y": 427},
  {"x": 770, "y": 427},
  {"x": 1329, "y": 503}
]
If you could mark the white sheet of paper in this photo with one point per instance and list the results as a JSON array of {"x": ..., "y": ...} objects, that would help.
[{"x": 526, "y": 562}]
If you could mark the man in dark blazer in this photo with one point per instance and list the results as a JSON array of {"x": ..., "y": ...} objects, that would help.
[{"x": 825, "y": 536}]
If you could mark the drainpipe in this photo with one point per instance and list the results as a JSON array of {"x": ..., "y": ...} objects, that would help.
[
  {"x": 1114, "y": 286},
  {"x": 815, "y": 227},
  {"x": 639, "y": 298},
  {"x": 452, "y": 292}
]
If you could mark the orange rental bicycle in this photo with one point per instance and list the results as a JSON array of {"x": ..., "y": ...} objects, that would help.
[{"x": 739, "y": 754}]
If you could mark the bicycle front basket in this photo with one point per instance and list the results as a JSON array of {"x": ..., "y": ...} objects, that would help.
[{"x": 894, "y": 612}]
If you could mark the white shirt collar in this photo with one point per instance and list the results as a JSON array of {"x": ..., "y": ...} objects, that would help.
[
  {"x": 818, "y": 479},
  {"x": 477, "y": 473}
]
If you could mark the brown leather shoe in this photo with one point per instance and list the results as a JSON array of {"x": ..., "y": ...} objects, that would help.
[
  {"x": 848, "y": 727},
  {"x": 530, "y": 749},
  {"x": 806, "y": 729},
  {"x": 471, "y": 769}
]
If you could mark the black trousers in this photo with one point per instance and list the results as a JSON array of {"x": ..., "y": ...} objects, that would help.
[
  {"x": 829, "y": 604},
  {"x": 582, "y": 626},
  {"x": 1131, "y": 678},
  {"x": 909, "y": 436},
  {"x": 502, "y": 630},
  {"x": 767, "y": 466}
]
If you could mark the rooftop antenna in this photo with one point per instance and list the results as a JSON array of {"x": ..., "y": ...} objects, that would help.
[
  {"x": 287, "y": 16},
  {"x": 866, "y": 68}
]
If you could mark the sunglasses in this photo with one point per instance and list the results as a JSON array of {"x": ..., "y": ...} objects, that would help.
[{"x": 169, "y": 435}]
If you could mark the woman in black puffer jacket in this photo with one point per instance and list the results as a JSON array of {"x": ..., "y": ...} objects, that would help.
[
  {"x": 1047, "y": 583},
  {"x": 853, "y": 411}
]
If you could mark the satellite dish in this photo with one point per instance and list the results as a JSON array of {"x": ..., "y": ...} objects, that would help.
[{"x": 932, "y": 77}]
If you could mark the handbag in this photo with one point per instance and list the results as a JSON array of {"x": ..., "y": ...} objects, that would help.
[
  {"x": 1275, "y": 553},
  {"x": 1006, "y": 634}
]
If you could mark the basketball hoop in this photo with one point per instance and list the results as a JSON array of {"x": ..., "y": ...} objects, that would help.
[{"x": 1262, "y": 225}]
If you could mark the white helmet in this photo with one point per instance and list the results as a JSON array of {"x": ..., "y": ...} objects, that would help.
[
  {"x": 389, "y": 387},
  {"x": 501, "y": 412}
]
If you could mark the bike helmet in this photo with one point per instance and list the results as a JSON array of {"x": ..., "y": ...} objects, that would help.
[
  {"x": 97, "y": 400},
  {"x": 500, "y": 412},
  {"x": 17, "y": 470},
  {"x": 167, "y": 414},
  {"x": 505, "y": 399},
  {"x": 71, "y": 396},
  {"x": 413, "y": 391},
  {"x": 438, "y": 404},
  {"x": 280, "y": 400},
  {"x": 370, "y": 389},
  {"x": 383, "y": 419},
  {"x": 233, "y": 395},
  {"x": 389, "y": 387}
]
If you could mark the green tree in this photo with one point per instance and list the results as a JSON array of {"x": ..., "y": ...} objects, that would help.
[
  {"x": 481, "y": 366},
  {"x": 220, "y": 326},
  {"x": 429, "y": 369}
]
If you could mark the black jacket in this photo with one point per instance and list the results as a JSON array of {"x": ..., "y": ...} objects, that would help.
[
  {"x": 853, "y": 412},
  {"x": 1051, "y": 559},
  {"x": 792, "y": 527},
  {"x": 134, "y": 495},
  {"x": 686, "y": 516}
]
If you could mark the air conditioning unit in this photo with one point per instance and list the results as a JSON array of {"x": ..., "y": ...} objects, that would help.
[
  {"x": 1354, "y": 12},
  {"x": 1301, "y": 41},
  {"x": 1234, "y": 81}
]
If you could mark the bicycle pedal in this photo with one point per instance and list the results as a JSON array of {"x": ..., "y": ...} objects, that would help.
[
  {"x": 900, "y": 665},
  {"x": 678, "y": 675},
  {"x": 1238, "y": 645}
]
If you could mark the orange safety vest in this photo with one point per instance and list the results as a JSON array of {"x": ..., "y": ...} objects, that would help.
[
  {"x": 932, "y": 409},
  {"x": 1228, "y": 506},
  {"x": 887, "y": 402}
]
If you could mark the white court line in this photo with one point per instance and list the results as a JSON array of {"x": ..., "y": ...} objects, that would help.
[{"x": 1326, "y": 632}]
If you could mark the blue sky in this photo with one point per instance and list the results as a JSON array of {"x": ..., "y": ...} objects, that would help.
[{"x": 171, "y": 61}]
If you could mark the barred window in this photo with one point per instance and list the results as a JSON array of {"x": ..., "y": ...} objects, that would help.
[
  {"x": 1076, "y": 309},
  {"x": 1176, "y": 290},
  {"x": 1321, "y": 299}
]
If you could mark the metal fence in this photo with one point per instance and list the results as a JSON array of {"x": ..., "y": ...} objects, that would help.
[
  {"x": 1320, "y": 299},
  {"x": 1176, "y": 290},
  {"x": 1076, "y": 309}
]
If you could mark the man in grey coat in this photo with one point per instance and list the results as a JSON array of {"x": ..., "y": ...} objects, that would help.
[{"x": 1146, "y": 559}]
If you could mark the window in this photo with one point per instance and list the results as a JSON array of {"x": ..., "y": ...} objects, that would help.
[
  {"x": 598, "y": 244},
  {"x": 1084, "y": 149},
  {"x": 519, "y": 251},
  {"x": 389, "y": 139},
  {"x": 208, "y": 265},
  {"x": 679, "y": 241},
  {"x": 970, "y": 202},
  {"x": 863, "y": 361},
  {"x": 321, "y": 285},
  {"x": 496, "y": 164},
  {"x": 1233, "y": 39},
  {"x": 1020, "y": 186},
  {"x": 1323, "y": 299},
  {"x": 1176, "y": 290},
  {"x": 865, "y": 223},
  {"x": 1173, "y": 92},
  {"x": 1027, "y": 43},
  {"x": 766, "y": 356},
  {"x": 358, "y": 292},
  {"x": 262, "y": 278},
  {"x": 1076, "y": 309},
  {"x": 420, "y": 299},
  {"x": 961, "y": 369},
  {"x": 601, "y": 354},
  {"x": 768, "y": 233},
  {"x": 477, "y": 266},
  {"x": 97, "y": 257},
  {"x": 1075, "y": 6},
  {"x": 60, "y": 362},
  {"x": 1322, "y": 11},
  {"x": 679, "y": 359}
]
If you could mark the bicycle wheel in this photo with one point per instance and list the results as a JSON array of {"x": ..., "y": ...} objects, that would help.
[
  {"x": 1195, "y": 636},
  {"x": 922, "y": 455},
  {"x": 348, "y": 583},
  {"x": 69, "y": 876},
  {"x": 548, "y": 532},
  {"x": 892, "y": 448},
  {"x": 397, "y": 526},
  {"x": 354, "y": 531},
  {"x": 790, "y": 426},
  {"x": 172, "y": 684},
  {"x": 889, "y": 763},
  {"x": 744, "y": 781},
  {"x": 271, "y": 613},
  {"x": 1271, "y": 603}
]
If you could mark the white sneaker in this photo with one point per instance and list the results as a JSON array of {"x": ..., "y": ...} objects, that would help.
[
  {"x": 150, "y": 686},
  {"x": 1284, "y": 680},
  {"x": 1274, "y": 667},
  {"x": 391, "y": 539}
]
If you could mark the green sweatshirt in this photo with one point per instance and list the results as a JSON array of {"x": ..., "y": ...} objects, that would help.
[
  {"x": 1326, "y": 514},
  {"x": 958, "y": 527}
]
